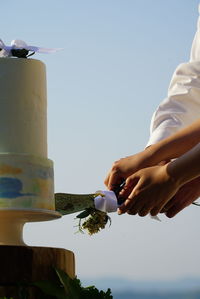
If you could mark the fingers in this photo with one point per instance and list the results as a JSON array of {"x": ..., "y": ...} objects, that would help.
[
  {"x": 113, "y": 181},
  {"x": 169, "y": 205},
  {"x": 141, "y": 211},
  {"x": 136, "y": 202},
  {"x": 130, "y": 183},
  {"x": 156, "y": 210},
  {"x": 185, "y": 196},
  {"x": 123, "y": 168},
  {"x": 130, "y": 206},
  {"x": 174, "y": 210},
  {"x": 133, "y": 205},
  {"x": 114, "y": 177},
  {"x": 125, "y": 206},
  {"x": 129, "y": 191},
  {"x": 177, "y": 207}
]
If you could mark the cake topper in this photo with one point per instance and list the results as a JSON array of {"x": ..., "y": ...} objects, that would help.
[{"x": 20, "y": 49}]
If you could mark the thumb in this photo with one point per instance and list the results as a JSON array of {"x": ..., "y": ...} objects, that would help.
[
  {"x": 130, "y": 183},
  {"x": 114, "y": 181}
]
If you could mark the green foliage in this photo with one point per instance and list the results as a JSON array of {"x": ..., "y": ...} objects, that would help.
[
  {"x": 63, "y": 287},
  {"x": 69, "y": 288},
  {"x": 95, "y": 220}
]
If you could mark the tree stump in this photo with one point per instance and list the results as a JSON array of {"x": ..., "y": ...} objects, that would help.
[{"x": 24, "y": 264}]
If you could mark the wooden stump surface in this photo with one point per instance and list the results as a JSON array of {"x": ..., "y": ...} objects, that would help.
[{"x": 30, "y": 264}]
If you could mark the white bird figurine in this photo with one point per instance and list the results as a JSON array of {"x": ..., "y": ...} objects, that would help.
[{"x": 20, "y": 49}]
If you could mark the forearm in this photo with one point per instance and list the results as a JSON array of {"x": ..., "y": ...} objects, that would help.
[
  {"x": 186, "y": 167},
  {"x": 165, "y": 150},
  {"x": 175, "y": 145}
]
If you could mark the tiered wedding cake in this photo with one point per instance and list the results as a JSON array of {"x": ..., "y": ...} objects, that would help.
[{"x": 26, "y": 174}]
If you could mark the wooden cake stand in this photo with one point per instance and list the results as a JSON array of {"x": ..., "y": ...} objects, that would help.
[{"x": 22, "y": 263}]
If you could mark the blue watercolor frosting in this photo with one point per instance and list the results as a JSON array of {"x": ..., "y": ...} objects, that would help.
[{"x": 11, "y": 188}]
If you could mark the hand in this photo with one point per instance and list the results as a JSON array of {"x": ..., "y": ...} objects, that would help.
[
  {"x": 124, "y": 167},
  {"x": 185, "y": 196},
  {"x": 148, "y": 191}
]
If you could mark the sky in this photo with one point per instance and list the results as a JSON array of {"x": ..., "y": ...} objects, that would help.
[{"x": 115, "y": 67}]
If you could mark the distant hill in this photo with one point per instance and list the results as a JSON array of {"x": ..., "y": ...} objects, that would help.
[
  {"x": 133, "y": 295},
  {"x": 187, "y": 288}
]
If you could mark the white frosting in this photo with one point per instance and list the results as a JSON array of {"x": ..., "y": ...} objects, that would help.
[
  {"x": 23, "y": 111},
  {"x": 26, "y": 174}
]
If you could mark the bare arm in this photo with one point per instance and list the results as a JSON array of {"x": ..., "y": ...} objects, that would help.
[
  {"x": 167, "y": 149},
  {"x": 177, "y": 144},
  {"x": 186, "y": 167}
]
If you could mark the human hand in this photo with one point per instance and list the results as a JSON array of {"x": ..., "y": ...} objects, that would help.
[
  {"x": 147, "y": 191},
  {"x": 124, "y": 167},
  {"x": 185, "y": 196}
]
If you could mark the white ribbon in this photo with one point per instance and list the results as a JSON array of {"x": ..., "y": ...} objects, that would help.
[
  {"x": 18, "y": 44},
  {"x": 107, "y": 202}
]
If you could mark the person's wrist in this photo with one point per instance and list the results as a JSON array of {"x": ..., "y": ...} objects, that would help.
[
  {"x": 176, "y": 173},
  {"x": 151, "y": 155}
]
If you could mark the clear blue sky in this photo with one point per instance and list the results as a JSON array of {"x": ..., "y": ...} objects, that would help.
[{"x": 115, "y": 68}]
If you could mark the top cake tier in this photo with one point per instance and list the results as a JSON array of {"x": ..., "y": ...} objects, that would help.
[{"x": 23, "y": 107}]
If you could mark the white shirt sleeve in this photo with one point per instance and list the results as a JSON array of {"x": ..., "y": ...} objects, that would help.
[{"x": 182, "y": 105}]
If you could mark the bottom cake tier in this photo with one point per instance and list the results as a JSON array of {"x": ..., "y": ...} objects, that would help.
[{"x": 26, "y": 182}]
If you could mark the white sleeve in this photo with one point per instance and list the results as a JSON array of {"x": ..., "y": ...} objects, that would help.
[{"x": 182, "y": 105}]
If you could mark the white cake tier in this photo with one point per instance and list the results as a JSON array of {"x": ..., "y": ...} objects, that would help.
[
  {"x": 26, "y": 182},
  {"x": 23, "y": 107}
]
